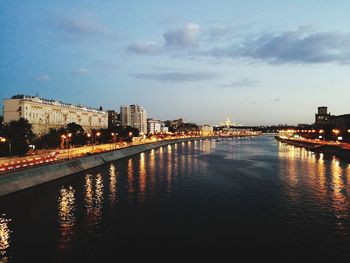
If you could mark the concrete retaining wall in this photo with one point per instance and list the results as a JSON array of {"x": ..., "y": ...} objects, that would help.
[{"x": 23, "y": 179}]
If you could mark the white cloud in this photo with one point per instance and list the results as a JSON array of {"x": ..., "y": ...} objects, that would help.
[
  {"x": 80, "y": 25},
  {"x": 43, "y": 77},
  {"x": 145, "y": 48},
  {"x": 186, "y": 37},
  {"x": 176, "y": 76},
  {"x": 240, "y": 83},
  {"x": 290, "y": 47},
  {"x": 80, "y": 71}
]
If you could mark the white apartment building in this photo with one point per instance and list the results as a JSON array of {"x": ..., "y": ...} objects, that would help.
[
  {"x": 153, "y": 126},
  {"x": 44, "y": 114},
  {"x": 134, "y": 116}
]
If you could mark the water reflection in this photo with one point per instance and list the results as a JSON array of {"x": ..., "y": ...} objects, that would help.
[
  {"x": 112, "y": 184},
  {"x": 169, "y": 169},
  {"x": 152, "y": 168},
  {"x": 130, "y": 176},
  {"x": 93, "y": 198},
  {"x": 142, "y": 173},
  {"x": 315, "y": 177},
  {"x": 66, "y": 215},
  {"x": 5, "y": 233},
  {"x": 98, "y": 196}
]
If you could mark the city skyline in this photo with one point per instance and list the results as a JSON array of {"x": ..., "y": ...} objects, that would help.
[{"x": 257, "y": 63}]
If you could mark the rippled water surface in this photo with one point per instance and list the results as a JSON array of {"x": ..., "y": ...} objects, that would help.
[{"x": 252, "y": 197}]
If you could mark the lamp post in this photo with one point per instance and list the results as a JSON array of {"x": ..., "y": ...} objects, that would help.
[
  {"x": 65, "y": 141},
  {"x": 93, "y": 135},
  {"x": 114, "y": 134},
  {"x": 336, "y": 132},
  {"x": 98, "y": 134},
  {"x": 69, "y": 136},
  {"x": 2, "y": 139},
  {"x": 321, "y": 136}
]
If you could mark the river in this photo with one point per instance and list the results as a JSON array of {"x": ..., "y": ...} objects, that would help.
[{"x": 251, "y": 196}]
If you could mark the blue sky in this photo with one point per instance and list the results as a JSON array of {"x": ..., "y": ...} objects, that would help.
[{"x": 257, "y": 62}]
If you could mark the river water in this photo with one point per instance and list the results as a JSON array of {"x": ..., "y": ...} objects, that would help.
[{"x": 253, "y": 197}]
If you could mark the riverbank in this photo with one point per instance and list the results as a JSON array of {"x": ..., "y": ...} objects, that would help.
[
  {"x": 333, "y": 149},
  {"x": 23, "y": 179}
]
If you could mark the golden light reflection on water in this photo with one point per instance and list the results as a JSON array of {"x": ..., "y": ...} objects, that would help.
[
  {"x": 93, "y": 198},
  {"x": 206, "y": 146},
  {"x": 130, "y": 176},
  {"x": 98, "y": 196},
  {"x": 66, "y": 207},
  {"x": 152, "y": 168},
  {"x": 88, "y": 199},
  {"x": 340, "y": 204},
  {"x": 143, "y": 174},
  {"x": 325, "y": 179},
  {"x": 66, "y": 215},
  {"x": 112, "y": 184},
  {"x": 5, "y": 234},
  {"x": 169, "y": 168},
  {"x": 160, "y": 164}
]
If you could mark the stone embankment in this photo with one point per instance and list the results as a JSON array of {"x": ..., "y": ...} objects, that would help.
[
  {"x": 26, "y": 178},
  {"x": 335, "y": 149}
]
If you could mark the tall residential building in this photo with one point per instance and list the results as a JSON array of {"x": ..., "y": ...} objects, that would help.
[
  {"x": 44, "y": 114},
  {"x": 134, "y": 116}
]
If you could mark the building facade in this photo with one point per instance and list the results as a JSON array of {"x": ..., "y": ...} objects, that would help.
[
  {"x": 154, "y": 126},
  {"x": 134, "y": 116},
  {"x": 113, "y": 119},
  {"x": 44, "y": 114},
  {"x": 322, "y": 117}
]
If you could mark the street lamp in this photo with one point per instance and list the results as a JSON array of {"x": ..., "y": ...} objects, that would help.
[
  {"x": 66, "y": 141},
  {"x": 2, "y": 139},
  {"x": 114, "y": 134},
  {"x": 336, "y": 132}
]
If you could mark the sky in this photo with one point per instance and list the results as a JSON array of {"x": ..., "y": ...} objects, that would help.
[{"x": 256, "y": 62}]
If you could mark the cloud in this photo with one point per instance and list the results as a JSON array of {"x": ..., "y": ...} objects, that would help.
[
  {"x": 186, "y": 37},
  {"x": 219, "y": 32},
  {"x": 80, "y": 25},
  {"x": 291, "y": 47},
  {"x": 145, "y": 48},
  {"x": 80, "y": 71},
  {"x": 43, "y": 77},
  {"x": 276, "y": 100},
  {"x": 106, "y": 65},
  {"x": 179, "y": 76},
  {"x": 240, "y": 83}
]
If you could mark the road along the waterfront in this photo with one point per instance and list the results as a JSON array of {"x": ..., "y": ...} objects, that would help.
[{"x": 26, "y": 178}]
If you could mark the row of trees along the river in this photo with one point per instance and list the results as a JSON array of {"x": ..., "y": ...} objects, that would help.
[{"x": 18, "y": 137}]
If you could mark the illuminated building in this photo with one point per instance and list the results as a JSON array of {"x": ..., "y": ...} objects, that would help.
[
  {"x": 206, "y": 129},
  {"x": 44, "y": 114},
  {"x": 134, "y": 116},
  {"x": 153, "y": 126}
]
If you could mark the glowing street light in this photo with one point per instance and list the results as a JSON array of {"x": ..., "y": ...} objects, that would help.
[
  {"x": 2, "y": 139},
  {"x": 336, "y": 131},
  {"x": 114, "y": 134}
]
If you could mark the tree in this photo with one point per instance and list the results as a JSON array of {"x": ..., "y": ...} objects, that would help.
[
  {"x": 52, "y": 139},
  {"x": 19, "y": 134},
  {"x": 78, "y": 133}
]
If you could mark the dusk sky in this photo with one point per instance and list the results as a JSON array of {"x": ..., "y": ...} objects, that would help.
[{"x": 257, "y": 62}]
